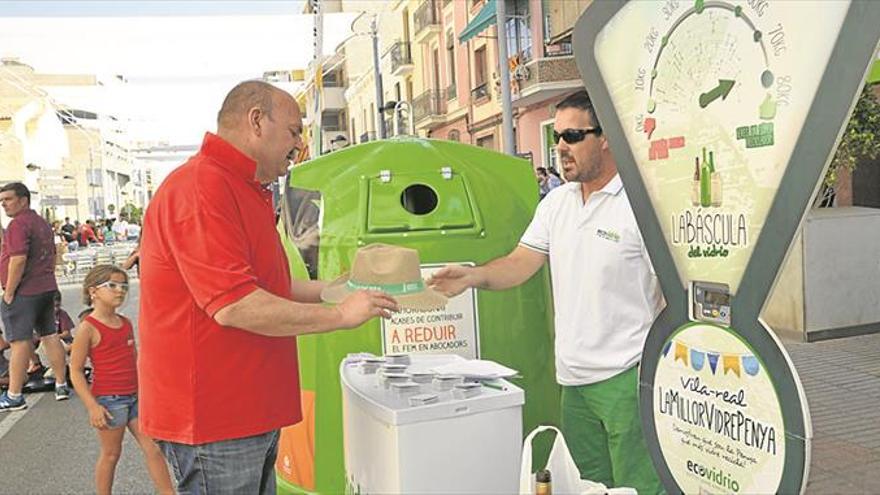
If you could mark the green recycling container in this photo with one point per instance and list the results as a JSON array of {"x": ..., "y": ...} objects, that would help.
[{"x": 454, "y": 203}]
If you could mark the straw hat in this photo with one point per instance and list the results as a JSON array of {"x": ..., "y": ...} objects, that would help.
[{"x": 390, "y": 269}]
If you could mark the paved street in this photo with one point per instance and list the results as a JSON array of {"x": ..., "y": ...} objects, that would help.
[
  {"x": 50, "y": 448},
  {"x": 842, "y": 382}
]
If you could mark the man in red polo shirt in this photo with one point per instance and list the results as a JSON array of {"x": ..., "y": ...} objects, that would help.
[{"x": 219, "y": 315}]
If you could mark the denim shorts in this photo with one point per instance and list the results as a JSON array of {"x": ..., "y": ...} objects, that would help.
[
  {"x": 226, "y": 467},
  {"x": 123, "y": 408}
]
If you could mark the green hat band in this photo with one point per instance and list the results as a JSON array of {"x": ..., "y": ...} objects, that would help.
[{"x": 393, "y": 289}]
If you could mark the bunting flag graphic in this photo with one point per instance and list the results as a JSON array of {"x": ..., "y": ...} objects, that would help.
[
  {"x": 750, "y": 365},
  {"x": 713, "y": 361},
  {"x": 696, "y": 359},
  {"x": 731, "y": 363},
  {"x": 681, "y": 351}
]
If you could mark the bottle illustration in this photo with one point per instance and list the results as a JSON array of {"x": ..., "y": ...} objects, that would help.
[
  {"x": 705, "y": 182},
  {"x": 716, "y": 188},
  {"x": 695, "y": 185},
  {"x": 542, "y": 483}
]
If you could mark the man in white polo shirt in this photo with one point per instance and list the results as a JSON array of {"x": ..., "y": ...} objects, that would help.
[{"x": 606, "y": 296}]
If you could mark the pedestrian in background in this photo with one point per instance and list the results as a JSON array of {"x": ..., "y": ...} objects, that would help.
[
  {"x": 27, "y": 272},
  {"x": 107, "y": 338},
  {"x": 108, "y": 232},
  {"x": 133, "y": 231},
  {"x": 64, "y": 324},
  {"x": 546, "y": 181},
  {"x": 87, "y": 234},
  {"x": 120, "y": 228},
  {"x": 69, "y": 230}
]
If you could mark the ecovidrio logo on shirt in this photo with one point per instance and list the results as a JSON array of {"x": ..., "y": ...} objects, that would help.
[
  {"x": 608, "y": 235},
  {"x": 716, "y": 476}
]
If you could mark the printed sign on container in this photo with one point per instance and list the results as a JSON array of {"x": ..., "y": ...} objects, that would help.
[{"x": 451, "y": 330}]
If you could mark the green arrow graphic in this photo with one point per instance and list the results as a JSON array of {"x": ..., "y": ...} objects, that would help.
[{"x": 723, "y": 88}]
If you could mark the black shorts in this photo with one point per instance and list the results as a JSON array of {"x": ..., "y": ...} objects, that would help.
[{"x": 29, "y": 314}]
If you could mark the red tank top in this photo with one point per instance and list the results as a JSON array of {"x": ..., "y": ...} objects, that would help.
[{"x": 114, "y": 361}]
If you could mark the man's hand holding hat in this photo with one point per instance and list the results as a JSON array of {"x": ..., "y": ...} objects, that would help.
[{"x": 363, "y": 305}]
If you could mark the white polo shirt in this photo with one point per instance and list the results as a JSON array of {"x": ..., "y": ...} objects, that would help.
[{"x": 605, "y": 292}]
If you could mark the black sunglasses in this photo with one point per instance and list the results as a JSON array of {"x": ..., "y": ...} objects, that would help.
[{"x": 572, "y": 136}]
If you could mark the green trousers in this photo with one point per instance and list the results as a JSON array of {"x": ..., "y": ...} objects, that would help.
[{"x": 603, "y": 431}]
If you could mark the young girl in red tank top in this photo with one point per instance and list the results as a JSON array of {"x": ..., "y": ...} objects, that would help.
[{"x": 108, "y": 339}]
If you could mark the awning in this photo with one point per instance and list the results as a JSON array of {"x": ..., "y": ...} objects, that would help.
[{"x": 484, "y": 18}]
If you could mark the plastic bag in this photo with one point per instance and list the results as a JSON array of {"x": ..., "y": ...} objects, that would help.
[{"x": 566, "y": 479}]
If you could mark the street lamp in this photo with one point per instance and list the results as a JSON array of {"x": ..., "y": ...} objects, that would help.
[
  {"x": 373, "y": 33},
  {"x": 377, "y": 74}
]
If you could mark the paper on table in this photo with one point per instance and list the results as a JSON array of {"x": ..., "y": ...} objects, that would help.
[
  {"x": 357, "y": 357},
  {"x": 476, "y": 368}
]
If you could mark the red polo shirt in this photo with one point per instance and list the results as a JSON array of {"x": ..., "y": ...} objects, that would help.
[{"x": 209, "y": 239}]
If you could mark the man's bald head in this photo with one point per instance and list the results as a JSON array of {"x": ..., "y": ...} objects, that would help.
[
  {"x": 265, "y": 124},
  {"x": 244, "y": 97}
]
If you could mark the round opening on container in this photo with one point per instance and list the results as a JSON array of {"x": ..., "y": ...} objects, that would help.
[{"x": 419, "y": 199}]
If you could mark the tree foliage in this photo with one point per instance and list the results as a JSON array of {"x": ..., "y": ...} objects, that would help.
[
  {"x": 860, "y": 140},
  {"x": 132, "y": 213}
]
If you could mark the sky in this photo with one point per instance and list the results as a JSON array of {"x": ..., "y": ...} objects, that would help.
[
  {"x": 179, "y": 58},
  {"x": 127, "y": 8}
]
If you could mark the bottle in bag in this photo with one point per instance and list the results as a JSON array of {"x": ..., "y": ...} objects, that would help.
[{"x": 542, "y": 483}]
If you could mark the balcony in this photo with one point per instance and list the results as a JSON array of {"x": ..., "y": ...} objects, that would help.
[
  {"x": 481, "y": 94},
  {"x": 367, "y": 137},
  {"x": 429, "y": 108},
  {"x": 545, "y": 78},
  {"x": 333, "y": 98},
  {"x": 333, "y": 126},
  {"x": 401, "y": 58},
  {"x": 427, "y": 21},
  {"x": 561, "y": 49}
]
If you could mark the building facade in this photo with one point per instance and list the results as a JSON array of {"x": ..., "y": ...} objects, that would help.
[
  {"x": 543, "y": 70},
  {"x": 76, "y": 162},
  {"x": 440, "y": 57}
]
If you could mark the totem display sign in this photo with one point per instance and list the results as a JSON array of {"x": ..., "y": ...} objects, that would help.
[{"x": 722, "y": 117}]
